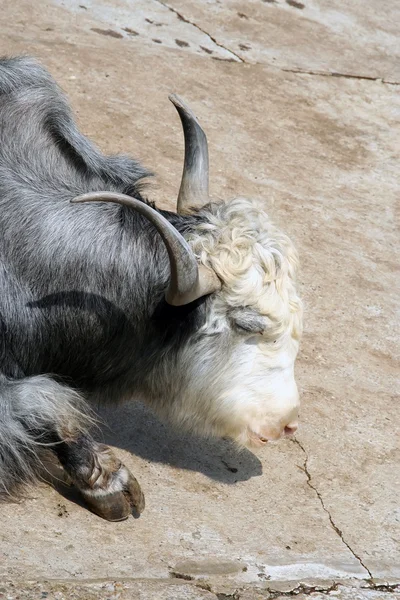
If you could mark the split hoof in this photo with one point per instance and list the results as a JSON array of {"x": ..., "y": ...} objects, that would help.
[
  {"x": 121, "y": 498},
  {"x": 113, "y": 507}
]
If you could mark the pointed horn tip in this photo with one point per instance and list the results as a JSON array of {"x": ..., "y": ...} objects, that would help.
[
  {"x": 180, "y": 105},
  {"x": 176, "y": 100}
]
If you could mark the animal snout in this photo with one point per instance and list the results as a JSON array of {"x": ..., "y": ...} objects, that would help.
[
  {"x": 290, "y": 429},
  {"x": 284, "y": 431},
  {"x": 275, "y": 433}
]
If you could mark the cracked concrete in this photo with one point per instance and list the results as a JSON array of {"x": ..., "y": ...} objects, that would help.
[
  {"x": 359, "y": 38},
  {"x": 308, "y": 121},
  {"x": 176, "y": 590},
  {"x": 344, "y": 75},
  {"x": 212, "y": 38},
  {"x": 334, "y": 526},
  {"x": 153, "y": 22}
]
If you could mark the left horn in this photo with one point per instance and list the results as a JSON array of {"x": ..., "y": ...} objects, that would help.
[{"x": 188, "y": 281}]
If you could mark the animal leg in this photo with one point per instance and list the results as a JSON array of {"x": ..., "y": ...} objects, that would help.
[
  {"x": 38, "y": 413},
  {"x": 35, "y": 412}
]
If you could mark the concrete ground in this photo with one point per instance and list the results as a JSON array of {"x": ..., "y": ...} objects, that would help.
[{"x": 300, "y": 101}]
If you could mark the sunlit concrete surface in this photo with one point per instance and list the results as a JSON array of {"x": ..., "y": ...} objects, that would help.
[{"x": 301, "y": 105}]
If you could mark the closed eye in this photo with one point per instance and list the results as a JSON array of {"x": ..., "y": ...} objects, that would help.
[{"x": 246, "y": 329}]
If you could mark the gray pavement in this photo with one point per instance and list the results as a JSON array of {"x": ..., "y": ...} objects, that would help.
[{"x": 301, "y": 105}]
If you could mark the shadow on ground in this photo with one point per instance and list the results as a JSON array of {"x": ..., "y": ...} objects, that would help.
[{"x": 135, "y": 429}]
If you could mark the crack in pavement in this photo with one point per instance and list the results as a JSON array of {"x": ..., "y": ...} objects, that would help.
[
  {"x": 382, "y": 587},
  {"x": 307, "y": 590},
  {"x": 268, "y": 593},
  {"x": 235, "y": 57},
  {"x": 185, "y": 20},
  {"x": 303, "y": 589},
  {"x": 340, "y": 75},
  {"x": 333, "y": 524},
  {"x": 238, "y": 58}
]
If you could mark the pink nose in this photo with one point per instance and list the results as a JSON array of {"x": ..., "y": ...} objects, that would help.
[{"x": 290, "y": 429}]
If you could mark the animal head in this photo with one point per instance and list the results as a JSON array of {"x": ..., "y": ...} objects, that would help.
[
  {"x": 258, "y": 316},
  {"x": 236, "y": 373}
]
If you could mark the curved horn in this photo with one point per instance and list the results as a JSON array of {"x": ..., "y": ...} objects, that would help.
[
  {"x": 188, "y": 280},
  {"x": 194, "y": 185}
]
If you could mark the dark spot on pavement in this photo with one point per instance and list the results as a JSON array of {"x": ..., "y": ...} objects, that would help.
[
  {"x": 154, "y": 22},
  {"x": 62, "y": 510},
  {"x": 83, "y": 6},
  {"x": 181, "y": 43},
  {"x": 270, "y": 1},
  {"x": 130, "y": 31},
  {"x": 206, "y": 50},
  {"x": 231, "y": 469},
  {"x": 244, "y": 47},
  {"x": 242, "y": 16},
  {"x": 178, "y": 575},
  {"x": 109, "y": 32},
  {"x": 49, "y": 29},
  {"x": 157, "y": 41},
  {"x": 295, "y": 4}
]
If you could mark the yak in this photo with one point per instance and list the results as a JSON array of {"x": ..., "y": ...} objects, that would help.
[{"x": 106, "y": 298}]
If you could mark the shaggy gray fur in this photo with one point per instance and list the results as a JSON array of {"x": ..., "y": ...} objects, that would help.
[{"x": 81, "y": 287}]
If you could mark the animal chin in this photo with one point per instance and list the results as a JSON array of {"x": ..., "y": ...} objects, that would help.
[{"x": 256, "y": 439}]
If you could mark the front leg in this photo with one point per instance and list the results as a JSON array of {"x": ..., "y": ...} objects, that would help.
[{"x": 107, "y": 486}]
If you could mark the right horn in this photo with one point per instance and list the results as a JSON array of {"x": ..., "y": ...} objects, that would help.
[
  {"x": 188, "y": 280},
  {"x": 193, "y": 192}
]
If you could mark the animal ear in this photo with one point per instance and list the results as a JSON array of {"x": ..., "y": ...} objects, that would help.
[
  {"x": 249, "y": 320},
  {"x": 188, "y": 280}
]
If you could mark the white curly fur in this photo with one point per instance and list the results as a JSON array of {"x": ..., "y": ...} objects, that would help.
[{"x": 257, "y": 264}]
